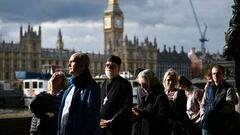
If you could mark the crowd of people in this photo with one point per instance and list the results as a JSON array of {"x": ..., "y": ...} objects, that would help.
[{"x": 174, "y": 106}]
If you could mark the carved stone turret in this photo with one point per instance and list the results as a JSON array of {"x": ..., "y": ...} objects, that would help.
[
  {"x": 30, "y": 40},
  {"x": 21, "y": 31},
  {"x": 59, "y": 43},
  {"x": 39, "y": 31}
]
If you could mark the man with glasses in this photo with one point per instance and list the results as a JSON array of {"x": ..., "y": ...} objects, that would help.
[
  {"x": 218, "y": 105},
  {"x": 116, "y": 100}
]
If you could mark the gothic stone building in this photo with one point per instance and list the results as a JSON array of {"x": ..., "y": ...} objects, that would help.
[
  {"x": 28, "y": 54},
  {"x": 135, "y": 54}
]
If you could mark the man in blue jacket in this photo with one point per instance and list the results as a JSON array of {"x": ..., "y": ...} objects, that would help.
[
  {"x": 80, "y": 107},
  {"x": 218, "y": 105}
]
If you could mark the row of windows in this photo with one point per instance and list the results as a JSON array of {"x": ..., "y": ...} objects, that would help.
[
  {"x": 55, "y": 62},
  {"x": 35, "y": 85},
  {"x": 4, "y": 75},
  {"x": 22, "y": 63},
  {"x": 18, "y": 64}
]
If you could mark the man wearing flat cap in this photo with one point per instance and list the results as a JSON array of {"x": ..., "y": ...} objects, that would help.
[{"x": 116, "y": 100}]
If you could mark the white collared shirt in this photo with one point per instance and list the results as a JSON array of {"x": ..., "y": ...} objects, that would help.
[{"x": 65, "y": 112}]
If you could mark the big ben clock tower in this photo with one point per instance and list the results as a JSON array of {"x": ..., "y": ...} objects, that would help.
[{"x": 113, "y": 27}]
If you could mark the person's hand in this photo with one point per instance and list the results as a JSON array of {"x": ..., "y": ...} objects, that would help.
[
  {"x": 32, "y": 92},
  {"x": 49, "y": 114},
  {"x": 104, "y": 123},
  {"x": 136, "y": 110}
]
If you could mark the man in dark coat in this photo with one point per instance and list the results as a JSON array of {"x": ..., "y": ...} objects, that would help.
[
  {"x": 80, "y": 107},
  {"x": 116, "y": 100}
]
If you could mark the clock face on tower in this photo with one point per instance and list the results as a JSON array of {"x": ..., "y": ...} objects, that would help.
[
  {"x": 107, "y": 22},
  {"x": 118, "y": 22}
]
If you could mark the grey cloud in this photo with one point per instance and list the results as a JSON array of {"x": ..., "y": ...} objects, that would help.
[
  {"x": 175, "y": 16},
  {"x": 152, "y": 12},
  {"x": 45, "y": 10}
]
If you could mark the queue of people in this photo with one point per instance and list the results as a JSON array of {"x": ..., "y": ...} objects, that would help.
[{"x": 171, "y": 107}]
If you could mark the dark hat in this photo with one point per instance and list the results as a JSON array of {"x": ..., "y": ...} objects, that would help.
[
  {"x": 115, "y": 59},
  {"x": 138, "y": 70},
  {"x": 182, "y": 80}
]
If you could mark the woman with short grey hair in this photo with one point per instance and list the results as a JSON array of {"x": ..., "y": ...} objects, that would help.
[{"x": 152, "y": 113}]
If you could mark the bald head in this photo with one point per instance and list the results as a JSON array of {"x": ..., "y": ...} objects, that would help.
[
  {"x": 82, "y": 58},
  {"x": 78, "y": 63}
]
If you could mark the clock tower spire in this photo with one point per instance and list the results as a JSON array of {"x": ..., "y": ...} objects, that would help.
[
  {"x": 59, "y": 43},
  {"x": 113, "y": 27}
]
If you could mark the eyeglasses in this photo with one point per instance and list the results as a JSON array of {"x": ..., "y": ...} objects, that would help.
[{"x": 110, "y": 66}]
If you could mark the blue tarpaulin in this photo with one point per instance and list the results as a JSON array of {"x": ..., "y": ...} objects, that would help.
[{"x": 31, "y": 75}]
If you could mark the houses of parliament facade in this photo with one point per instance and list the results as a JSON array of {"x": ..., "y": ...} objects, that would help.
[{"x": 28, "y": 54}]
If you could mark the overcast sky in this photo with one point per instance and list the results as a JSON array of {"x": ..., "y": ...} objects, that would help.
[{"x": 81, "y": 21}]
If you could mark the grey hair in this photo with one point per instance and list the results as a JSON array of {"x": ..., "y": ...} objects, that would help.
[{"x": 149, "y": 76}]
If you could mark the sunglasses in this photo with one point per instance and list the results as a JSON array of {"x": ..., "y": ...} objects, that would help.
[{"x": 110, "y": 66}]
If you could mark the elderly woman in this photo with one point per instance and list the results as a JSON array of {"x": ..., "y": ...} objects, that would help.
[
  {"x": 177, "y": 100},
  {"x": 152, "y": 113},
  {"x": 45, "y": 106}
]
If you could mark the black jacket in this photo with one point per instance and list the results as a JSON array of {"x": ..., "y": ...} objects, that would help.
[
  {"x": 155, "y": 110},
  {"x": 45, "y": 113},
  {"x": 118, "y": 106}
]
